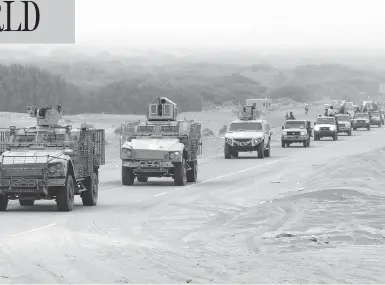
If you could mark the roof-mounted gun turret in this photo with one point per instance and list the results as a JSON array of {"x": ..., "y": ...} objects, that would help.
[
  {"x": 162, "y": 110},
  {"x": 46, "y": 116},
  {"x": 248, "y": 113}
]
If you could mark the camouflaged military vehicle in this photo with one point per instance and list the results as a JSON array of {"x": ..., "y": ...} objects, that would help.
[
  {"x": 50, "y": 161},
  {"x": 161, "y": 146}
]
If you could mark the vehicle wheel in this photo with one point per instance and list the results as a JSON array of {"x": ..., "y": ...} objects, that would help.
[
  {"x": 368, "y": 128},
  {"x": 283, "y": 143},
  {"x": 192, "y": 174},
  {"x": 180, "y": 177},
  {"x": 3, "y": 202},
  {"x": 350, "y": 132},
  {"x": 304, "y": 143},
  {"x": 235, "y": 153},
  {"x": 65, "y": 195},
  {"x": 354, "y": 129},
  {"x": 128, "y": 177},
  {"x": 227, "y": 151},
  {"x": 308, "y": 142},
  {"x": 261, "y": 150},
  {"x": 379, "y": 125},
  {"x": 26, "y": 202},
  {"x": 267, "y": 151},
  {"x": 142, "y": 179},
  {"x": 334, "y": 137},
  {"x": 90, "y": 196}
]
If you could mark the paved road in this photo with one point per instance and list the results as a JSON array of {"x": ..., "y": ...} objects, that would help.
[{"x": 158, "y": 233}]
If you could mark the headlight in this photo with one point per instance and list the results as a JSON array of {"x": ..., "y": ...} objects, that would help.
[
  {"x": 126, "y": 152},
  {"x": 229, "y": 141},
  {"x": 54, "y": 167},
  {"x": 303, "y": 133},
  {"x": 257, "y": 140},
  {"x": 284, "y": 133},
  {"x": 174, "y": 154},
  {"x": 316, "y": 128},
  {"x": 332, "y": 128}
]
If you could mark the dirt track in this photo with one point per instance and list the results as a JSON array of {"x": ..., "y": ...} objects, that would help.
[{"x": 301, "y": 216}]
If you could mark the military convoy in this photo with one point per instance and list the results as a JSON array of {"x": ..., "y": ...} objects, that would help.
[
  {"x": 50, "y": 161},
  {"x": 53, "y": 161},
  {"x": 161, "y": 146}
]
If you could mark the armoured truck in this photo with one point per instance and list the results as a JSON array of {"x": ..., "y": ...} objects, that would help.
[
  {"x": 161, "y": 146},
  {"x": 248, "y": 134},
  {"x": 50, "y": 161}
]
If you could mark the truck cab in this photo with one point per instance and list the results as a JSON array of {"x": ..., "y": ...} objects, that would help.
[
  {"x": 248, "y": 134},
  {"x": 296, "y": 131},
  {"x": 325, "y": 127}
]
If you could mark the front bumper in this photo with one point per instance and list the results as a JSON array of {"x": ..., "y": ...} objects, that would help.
[
  {"x": 361, "y": 125},
  {"x": 325, "y": 133},
  {"x": 375, "y": 122},
  {"x": 151, "y": 168},
  {"x": 294, "y": 138},
  {"x": 343, "y": 129},
  {"x": 244, "y": 146},
  {"x": 27, "y": 180}
]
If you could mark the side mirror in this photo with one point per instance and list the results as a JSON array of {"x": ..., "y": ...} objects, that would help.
[
  {"x": 283, "y": 127},
  {"x": 69, "y": 152},
  {"x": 315, "y": 123}
]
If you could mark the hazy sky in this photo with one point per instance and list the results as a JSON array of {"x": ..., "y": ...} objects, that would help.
[{"x": 232, "y": 22}]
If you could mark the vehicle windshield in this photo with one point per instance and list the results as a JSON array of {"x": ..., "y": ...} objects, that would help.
[
  {"x": 35, "y": 136},
  {"x": 236, "y": 127},
  {"x": 362, "y": 115},
  {"x": 375, "y": 113},
  {"x": 328, "y": 121},
  {"x": 294, "y": 124},
  {"x": 345, "y": 118}
]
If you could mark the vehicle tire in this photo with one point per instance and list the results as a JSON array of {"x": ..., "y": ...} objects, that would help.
[
  {"x": 304, "y": 143},
  {"x": 3, "y": 202},
  {"x": 192, "y": 174},
  {"x": 65, "y": 196},
  {"x": 354, "y": 129},
  {"x": 26, "y": 202},
  {"x": 227, "y": 151},
  {"x": 261, "y": 150},
  {"x": 334, "y": 137},
  {"x": 180, "y": 176},
  {"x": 350, "y": 132},
  {"x": 368, "y": 128},
  {"x": 283, "y": 143},
  {"x": 142, "y": 179},
  {"x": 267, "y": 151},
  {"x": 316, "y": 138},
  {"x": 379, "y": 125},
  {"x": 235, "y": 154},
  {"x": 308, "y": 142},
  {"x": 90, "y": 196},
  {"x": 128, "y": 177}
]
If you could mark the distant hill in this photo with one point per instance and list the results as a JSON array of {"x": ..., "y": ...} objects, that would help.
[
  {"x": 126, "y": 85},
  {"x": 22, "y": 85}
]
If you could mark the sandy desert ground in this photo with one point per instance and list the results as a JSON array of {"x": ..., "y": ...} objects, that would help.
[{"x": 304, "y": 215}]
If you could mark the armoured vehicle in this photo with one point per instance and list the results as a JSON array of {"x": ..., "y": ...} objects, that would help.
[
  {"x": 344, "y": 124},
  {"x": 161, "y": 146},
  {"x": 248, "y": 134},
  {"x": 50, "y": 161},
  {"x": 361, "y": 120},
  {"x": 296, "y": 131},
  {"x": 325, "y": 127},
  {"x": 375, "y": 118}
]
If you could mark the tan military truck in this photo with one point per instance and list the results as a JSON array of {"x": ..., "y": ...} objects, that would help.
[
  {"x": 161, "y": 146},
  {"x": 50, "y": 162}
]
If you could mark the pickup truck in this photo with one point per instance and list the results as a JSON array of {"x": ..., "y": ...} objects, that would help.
[
  {"x": 296, "y": 131},
  {"x": 325, "y": 127}
]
